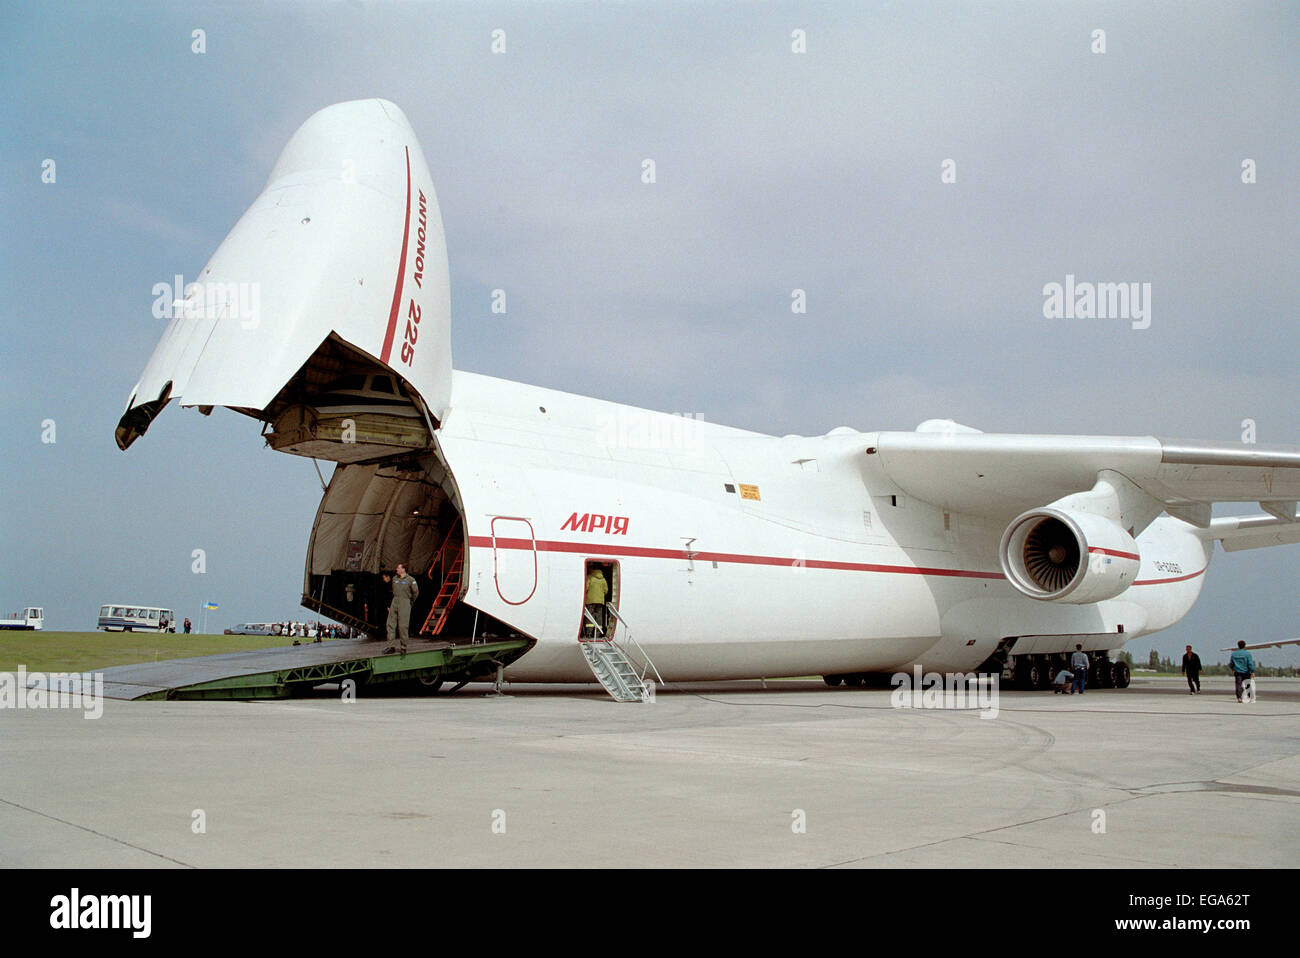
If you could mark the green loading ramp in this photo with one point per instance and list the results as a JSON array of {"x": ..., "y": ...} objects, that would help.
[{"x": 294, "y": 670}]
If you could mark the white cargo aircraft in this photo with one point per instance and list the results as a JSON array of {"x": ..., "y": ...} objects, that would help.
[{"x": 730, "y": 554}]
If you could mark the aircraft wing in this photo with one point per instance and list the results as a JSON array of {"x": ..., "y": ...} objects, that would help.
[
  {"x": 1253, "y": 532},
  {"x": 1002, "y": 475},
  {"x": 1266, "y": 645}
]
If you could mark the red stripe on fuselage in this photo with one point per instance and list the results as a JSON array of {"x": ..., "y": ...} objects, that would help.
[
  {"x": 592, "y": 548},
  {"x": 1181, "y": 578},
  {"x": 1115, "y": 552},
  {"x": 401, "y": 270}
]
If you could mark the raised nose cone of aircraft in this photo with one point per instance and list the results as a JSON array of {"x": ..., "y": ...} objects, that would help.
[{"x": 338, "y": 269}]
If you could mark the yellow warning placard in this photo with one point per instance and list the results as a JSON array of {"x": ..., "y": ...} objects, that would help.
[{"x": 749, "y": 492}]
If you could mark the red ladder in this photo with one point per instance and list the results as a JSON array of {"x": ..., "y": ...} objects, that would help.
[{"x": 449, "y": 593}]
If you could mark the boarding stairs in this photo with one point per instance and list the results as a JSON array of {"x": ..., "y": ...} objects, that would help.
[
  {"x": 450, "y": 557},
  {"x": 611, "y": 663}
]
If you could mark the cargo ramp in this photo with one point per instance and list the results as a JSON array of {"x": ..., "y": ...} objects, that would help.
[{"x": 295, "y": 670}]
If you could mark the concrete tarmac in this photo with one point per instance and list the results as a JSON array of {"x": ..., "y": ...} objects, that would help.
[{"x": 723, "y": 774}]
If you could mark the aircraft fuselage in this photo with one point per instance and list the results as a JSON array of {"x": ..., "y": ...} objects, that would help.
[{"x": 743, "y": 555}]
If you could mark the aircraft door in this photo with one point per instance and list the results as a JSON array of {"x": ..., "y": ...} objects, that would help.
[
  {"x": 514, "y": 559},
  {"x": 598, "y": 620}
]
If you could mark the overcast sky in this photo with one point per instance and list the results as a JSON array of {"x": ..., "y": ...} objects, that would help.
[{"x": 776, "y": 171}]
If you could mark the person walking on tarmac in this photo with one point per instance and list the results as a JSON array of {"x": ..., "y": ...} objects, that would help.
[
  {"x": 405, "y": 591},
  {"x": 1192, "y": 669},
  {"x": 1243, "y": 672},
  {"x": 597, "y": 590}
]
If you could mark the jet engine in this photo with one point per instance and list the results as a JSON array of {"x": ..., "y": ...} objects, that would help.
[{"x": 1060, "y": 555}]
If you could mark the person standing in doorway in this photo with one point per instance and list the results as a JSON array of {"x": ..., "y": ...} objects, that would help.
[{"x": 597, "y": 590}]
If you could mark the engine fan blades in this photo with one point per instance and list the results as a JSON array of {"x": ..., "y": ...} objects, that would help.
[{"x": 1051, "y": 555}]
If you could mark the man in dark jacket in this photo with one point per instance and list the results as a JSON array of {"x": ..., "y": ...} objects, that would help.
[{"x": 1192, "y": 669}]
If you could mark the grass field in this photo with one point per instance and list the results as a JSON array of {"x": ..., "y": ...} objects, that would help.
[{"x": 86, "y": 651}]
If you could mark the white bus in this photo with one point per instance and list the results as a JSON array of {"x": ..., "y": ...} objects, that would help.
[{"x": 136, "y": 618}]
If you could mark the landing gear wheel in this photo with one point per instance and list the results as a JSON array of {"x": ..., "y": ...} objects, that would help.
[
  {"x": 1105, "y": 675},
  {"x": 1024, "y": 678},
  {"x": 853, "y": 681},
  {"x": 832, "y": 680},
  {"x": 1121, "y": 675}
]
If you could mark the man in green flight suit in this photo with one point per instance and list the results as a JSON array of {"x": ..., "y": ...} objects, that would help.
[
  {"x": 405, "y": 591},
  {"x": 597, "y": 589}
]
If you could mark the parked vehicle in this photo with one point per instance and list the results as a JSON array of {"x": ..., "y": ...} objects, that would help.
[
  {"x": 136, "y": 618},
  {"x": 30, "y": 618},
  {"x": 255, "y": 628}
]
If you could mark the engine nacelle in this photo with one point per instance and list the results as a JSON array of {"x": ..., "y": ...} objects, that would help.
[{"x": 1060, "y": 555}]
